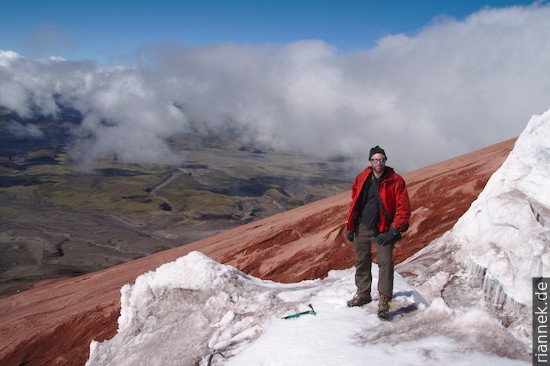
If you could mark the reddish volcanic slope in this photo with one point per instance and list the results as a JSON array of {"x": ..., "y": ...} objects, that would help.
[{"x": 53, "y": 324}]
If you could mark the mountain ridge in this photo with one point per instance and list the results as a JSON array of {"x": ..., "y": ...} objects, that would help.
[{"x": 55, "y": 322}]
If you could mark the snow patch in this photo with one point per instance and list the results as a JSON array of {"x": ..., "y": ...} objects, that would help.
[
  {"x": 195, "y": 311},
  {"x": 503, "y": 232},
  {"x": 501, "y": 242}
]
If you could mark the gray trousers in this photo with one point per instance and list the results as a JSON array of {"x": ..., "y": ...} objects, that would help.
[{"x": 362, "y": 245}]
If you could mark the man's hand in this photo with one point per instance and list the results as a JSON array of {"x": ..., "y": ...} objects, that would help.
[
  {"x": 350, "y": 235},
  {"x": 388, "y": 237}
]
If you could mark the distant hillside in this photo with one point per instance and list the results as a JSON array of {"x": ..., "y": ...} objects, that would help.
[{"x": 62, "y": 215}]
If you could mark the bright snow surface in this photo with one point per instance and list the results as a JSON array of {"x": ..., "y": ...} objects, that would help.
[
  {"x": 195, "y": 311},
  {"x": 460, "y": 293}
]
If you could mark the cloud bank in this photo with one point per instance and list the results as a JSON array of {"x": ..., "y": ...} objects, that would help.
[{"x": 453, "y": 87}]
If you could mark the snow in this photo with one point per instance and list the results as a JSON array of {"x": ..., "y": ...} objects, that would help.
[
  {"x": 466, "y": 299},
  {"x": 506, "y": 231},
  {"x": 196, "y": 311},
  {"x": 503, "y": 240}
]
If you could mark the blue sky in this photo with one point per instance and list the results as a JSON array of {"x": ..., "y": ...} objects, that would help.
[{"x": 106, "y": 31}]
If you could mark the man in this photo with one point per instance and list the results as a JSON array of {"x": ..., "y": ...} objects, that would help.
[{"x": 369, "y": 222}]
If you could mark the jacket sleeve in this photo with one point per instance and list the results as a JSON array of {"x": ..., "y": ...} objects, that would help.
[{"x": 402, "y": 205}]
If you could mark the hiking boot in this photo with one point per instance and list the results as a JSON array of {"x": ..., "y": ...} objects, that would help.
[
  {"x": 383, "y": 307},
  {"x": 359, "y": 300}
]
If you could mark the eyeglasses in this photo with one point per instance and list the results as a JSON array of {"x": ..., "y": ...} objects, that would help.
[{"x": 381, "y": 160}]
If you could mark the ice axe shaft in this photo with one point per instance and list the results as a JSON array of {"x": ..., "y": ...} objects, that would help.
[{"x": 312, "y": 312}]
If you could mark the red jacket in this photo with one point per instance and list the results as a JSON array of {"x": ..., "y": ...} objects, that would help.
[{"x": 394, "y": 195}]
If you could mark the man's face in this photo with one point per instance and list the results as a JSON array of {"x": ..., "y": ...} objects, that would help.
[{"x": 378, "y": 162}]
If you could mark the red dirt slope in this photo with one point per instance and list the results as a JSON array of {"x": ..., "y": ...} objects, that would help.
[{"x": 54, "y": 324}]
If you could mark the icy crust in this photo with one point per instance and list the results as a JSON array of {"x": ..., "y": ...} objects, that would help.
[
  {"x": 189, "y": 275},
  {"x": 527, "y": 168},
  {"x": 196, "y": 311},
  {"x": 488, "y": 259},
  {"x": 505, "y": 232},
  {"x": 502, "y": 236},
  {"x": 188, "y": 309}
]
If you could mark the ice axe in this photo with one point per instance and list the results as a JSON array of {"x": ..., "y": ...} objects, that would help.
[{"x": 297, "y": 315}]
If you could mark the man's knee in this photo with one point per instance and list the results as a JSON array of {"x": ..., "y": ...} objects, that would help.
[{"x": 384, "y": 255}]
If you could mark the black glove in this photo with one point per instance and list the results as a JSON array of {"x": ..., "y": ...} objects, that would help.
[
  {"x": 388, "y": 237},
  {"x": 350, "y": 235}
]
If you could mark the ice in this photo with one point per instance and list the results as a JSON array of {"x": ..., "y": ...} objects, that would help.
[
  {"x": 220, "y": 316},
  {"x": 504, "y": 231},
  {"x": 502, "y": 241},
  {"x": 494, "y": 291}
]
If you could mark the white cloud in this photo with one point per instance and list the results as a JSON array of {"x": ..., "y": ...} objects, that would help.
[
  {"x": 451, "y": 88},
  {"x": 19, "y": 130}
]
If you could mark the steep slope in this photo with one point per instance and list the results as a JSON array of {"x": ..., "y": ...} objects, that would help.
[
  {"x": 55, "y": 323},
  {"x": 502, "y": 243}
]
